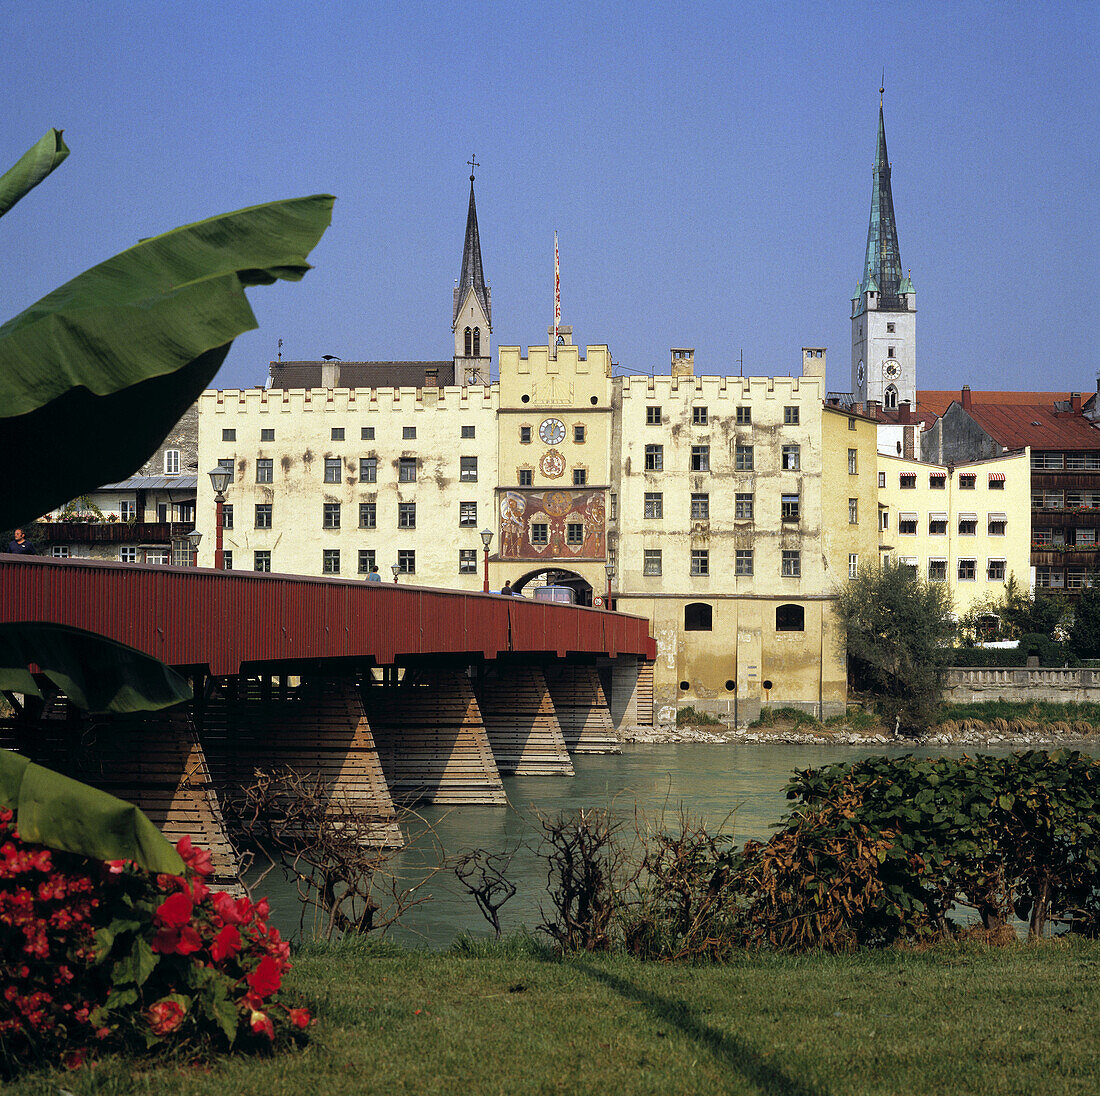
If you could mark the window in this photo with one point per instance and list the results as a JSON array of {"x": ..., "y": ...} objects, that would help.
[
  {"x": 1041, "y": 536},
  {"x": 333, "y": 466},
  {"x": 882, "y": 479},
  {"x": 791, "y": 566},
  {"x": 853, "y": 462},
  {"x": 540, "y": 533},
  {"x": 996, "y": 481},
  {"x": 127, "y": 509},
  {"x": 742, "y": 562},
  {"x": 525, "y": 477},
  {"x": 654, "y": 504},
  {"x": 997, "y": 524},
  {"x": 406, "y": 515},
  {"x": 1048, "y": 578},
  {"x": 853, "y": 564},
  {"x": 790, "y": 618},
  {"x": 330, "y": 561},
  {"x": 613, "y": 507},
  {"x": 229, "y": 435},
  {"x": 1076, "y": 578},
  {"x": 967, "y": 481},
  {"x": 700, "y": 507},
  {"x": 937, "y": 525},
  {"x": 580, "y": 477},
  {"x": 128, "y": 553},
  {"x": 62, "y": 551},
  {"x": 651, "y": 560},
  {"x": 574, "y": 533},
  {"x": 653, "y": 418},
  {"x": 995, "y": 570},
  {"x": 790, "y": 416},
  {"x": 744, "y": 416},
  {"x": 172, "y": 462},
  {"x": 890, "y": 330},
  {"x": 654, "y": 458},
  {"x": 1085, "y": 538},
  {"x": 467, "y": 341},
  {"x": 907, "y": 481},
  {"x": 263, "y": 515},
  {"x": 408, "y": 433},
  {"x": 790, "y": 458},
  {"x": 525, "y": 435},
  {"x": 366, "y": 561},
  {"x": 162, "y": 512},
  {"x": 160, "y": 557},
  {"x": 267, "y": 434},
  {"x": 851, "y": 424},
  {"x": 890, "y": 398},
  {"x": 477, "y": 342},
  {"x": 700, "y": 458},
  {"x": 699, "y": 416},
  {"x": 337, "y": 433},
  {"x": 1078, "y": 462},
  {"x": 789, "y": 508},
  {"x": 366, "y": 433},
  {"x": 742, "y": 506},
  {"x": 937, "y": 570},
  {"x": 884, "y": 519},
  {"x": 467, "y": 561},
  {"x": 467, "y": 513},
  {"x": 261, "y": 561},
  {"x": 700, "y": 561},
  {"x": 406, "y": 470},
  {"x": 968, "y": 525},
  {"x": 1046, "y": 500},
  {"x": 937, "y": 481},
  {"x": 968, "y": 570},
  {"x": 227, "y": 560},
  {"x": 467, "y": 469},
  {"x": 578, "y": 434},
  {"x": 227, "y": 515},
  {"x": 1042, "y": 461},
  {"x": 265, "y": 470},
  {"x": 890, "y": 352},
  {"x": 467, "y": 432},
  {"x": 406, "y": 561},
  {"x": 697, "y": 617},
  {"x": 368, "y": 515},
  {"x": 742, "y": 461},
  {"x": 331, "y": 519},
  {"x": 853, "y": 511}
]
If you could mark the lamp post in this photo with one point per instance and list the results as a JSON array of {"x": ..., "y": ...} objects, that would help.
[
  {"x": 609, "y": 569},
  {"x": 395, "y": 568},
  {"x": 486, "y": 540},
  {"x": 220, "y": 479},
  {"x": 194, "y": 537}
]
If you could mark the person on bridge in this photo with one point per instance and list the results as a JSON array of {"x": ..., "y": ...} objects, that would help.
[
  {"x": 374, "y": 576},
  {"x": 507, "y": 590},
  {"x": 20, "y": 546}
]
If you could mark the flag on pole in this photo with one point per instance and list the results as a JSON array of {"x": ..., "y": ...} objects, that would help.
[{"x": 557, "y": 295}]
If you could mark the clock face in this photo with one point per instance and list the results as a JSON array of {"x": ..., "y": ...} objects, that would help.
[
  {"x": 859, "y": 375},
  {"x": 891, "y": 369},
  {"x": 552, "y": 431}
]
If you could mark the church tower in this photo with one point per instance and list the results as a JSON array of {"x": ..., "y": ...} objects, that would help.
[
  {"x": 473, "y": 307},
  {"x": 884, "y": 308}
]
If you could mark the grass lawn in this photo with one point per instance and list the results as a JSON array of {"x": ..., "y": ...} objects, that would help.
[{"x": 964, "y": 1019}]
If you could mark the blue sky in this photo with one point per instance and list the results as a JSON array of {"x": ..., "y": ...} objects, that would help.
[{"x": 707, "y": 168}]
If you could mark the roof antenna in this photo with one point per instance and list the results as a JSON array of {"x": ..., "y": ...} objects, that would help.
[{"x": 279, "y": 356}]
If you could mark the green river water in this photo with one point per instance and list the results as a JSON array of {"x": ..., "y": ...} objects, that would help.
[{"x": 739, "y": 783}]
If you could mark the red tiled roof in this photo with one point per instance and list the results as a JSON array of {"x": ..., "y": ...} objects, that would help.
[
  {"x": 934, "y": 402},
  {"x": 1038, "y": 425}
]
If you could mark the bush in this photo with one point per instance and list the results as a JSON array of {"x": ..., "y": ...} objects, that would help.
[
  {"x": 769, "y": 717},
  {"x": 1051, "y": 654},
  {"x": 689, "y": 717}
]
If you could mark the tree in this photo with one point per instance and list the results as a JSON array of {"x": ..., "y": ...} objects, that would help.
[
  {"x": 1084, "y": 636},
  {"x": 898, "y": 629},
  {"x": 1028, "y": 613}
]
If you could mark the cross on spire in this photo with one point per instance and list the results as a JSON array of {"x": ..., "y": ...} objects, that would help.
[{"x": 472, "y": 161}]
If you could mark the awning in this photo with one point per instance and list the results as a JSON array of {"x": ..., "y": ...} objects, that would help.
[
  {"x": 937, "y": 475},
  {"x": 907, "y": 516},
  {"x": 968, "y": 517},
  {"x": 937, "y": 517},
  {"x": 996, "y": 477},
  {"x": 998, "y": 517}
]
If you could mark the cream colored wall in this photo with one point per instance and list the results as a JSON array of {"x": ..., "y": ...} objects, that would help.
[
  {"x": 1014, "y": 501},
  {"x": 303, "y": 422},
  {"x": 840, "y": 538}
]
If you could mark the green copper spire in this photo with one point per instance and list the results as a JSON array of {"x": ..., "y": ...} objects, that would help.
[{"x": 883, "y": 264}]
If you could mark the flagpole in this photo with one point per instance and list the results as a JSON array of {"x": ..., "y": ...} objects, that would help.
[{"x": 557, "y": 295}]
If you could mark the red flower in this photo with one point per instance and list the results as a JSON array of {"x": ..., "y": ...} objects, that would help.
[
  {"x": 227, "y": 943},
  {"x": 175, "y": 910},
  {"x": 233, "y": 911},
  {"x": 73, "y": 1059},
  {"x": 299, "y": 1017},
  {"x": 265, "y": 979},
  {"x": 164, "y": 1016},
  {"x": 176, "y": 941},
  {"x": 261, "y": 1024},
  {"x": 198, "y": 860}
]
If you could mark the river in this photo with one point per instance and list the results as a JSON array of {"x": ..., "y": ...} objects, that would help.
[{"x": 740, "y": 784}]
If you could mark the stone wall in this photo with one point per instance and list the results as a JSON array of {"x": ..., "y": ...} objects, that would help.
[{"x": 971, "y": 685}]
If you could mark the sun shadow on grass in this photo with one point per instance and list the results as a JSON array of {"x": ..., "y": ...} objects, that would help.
[{"x": 728, "y": 1049}]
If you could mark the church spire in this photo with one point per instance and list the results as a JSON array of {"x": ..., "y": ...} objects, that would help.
[
  {"x": 882, "y": 268},
  {"x": 472, "y": 276}
]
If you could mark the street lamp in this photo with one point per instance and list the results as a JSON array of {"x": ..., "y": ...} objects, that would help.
[
  {"x": 395, "y": 568},
  {"x": 220, "y": 479},
  {"x": 609, "y": 569},
  {"x": 194, "y": 537},
  {"x": 486, "y": 539}
]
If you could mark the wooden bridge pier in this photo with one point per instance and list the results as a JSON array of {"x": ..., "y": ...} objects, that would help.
[{"x": 581, "y": 707}]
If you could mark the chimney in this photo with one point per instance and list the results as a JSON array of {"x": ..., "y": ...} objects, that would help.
[
  {"x": 431, "y": 378},
  {"x": 966, "y": 397},
  {"x": 330, "y": 374},
  {"x": 904, "y": 409},
  {"x": 1075, "y": 401},
  {"x": 683, "y": 361}
]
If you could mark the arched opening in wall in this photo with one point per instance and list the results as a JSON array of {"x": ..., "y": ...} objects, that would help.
[
  {"x": 697, "y": 617},
  {"x": 477, "y": 342},
  {"x": 890, "y": 398},
  {"x": 468, "y": 336},
  {"x": 526, "y": 584},
  {"x": 790, "y": 618}
]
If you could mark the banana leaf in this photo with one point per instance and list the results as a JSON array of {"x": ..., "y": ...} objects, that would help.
[
  {"x": 61, "y": 813},
  {"x": 95, "y": 374},
  {"x": 33, "y": 166},
  {"x": 96, "y": 673}
]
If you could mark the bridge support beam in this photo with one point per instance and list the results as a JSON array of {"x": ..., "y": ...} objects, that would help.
[
  {"x": 581, "y": 707},
  {"x": 629, "y": 691},
  {"x": 520, "y": 721},
  {"x": 432, "y": 739}
]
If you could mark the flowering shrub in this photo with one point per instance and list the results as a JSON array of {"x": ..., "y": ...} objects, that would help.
[{"x": 105, "y": 954}]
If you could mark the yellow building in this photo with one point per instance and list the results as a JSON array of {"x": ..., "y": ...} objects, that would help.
[{"x": 968, "y": 525}]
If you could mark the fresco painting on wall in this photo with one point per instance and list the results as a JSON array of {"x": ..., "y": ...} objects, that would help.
[{"x": 552, "y": 524}]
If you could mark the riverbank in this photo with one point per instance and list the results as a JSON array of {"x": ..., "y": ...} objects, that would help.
[{"x": 954, "y": 1018}]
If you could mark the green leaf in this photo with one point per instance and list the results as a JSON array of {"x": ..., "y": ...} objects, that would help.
[
  {"x": 32, "y": 167},
  {"x": 120, "y": 998},
  {"x": 96, "y": 673},
  {"x": 62, "y": 813},
  {"x": 120, "y": 352}
]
